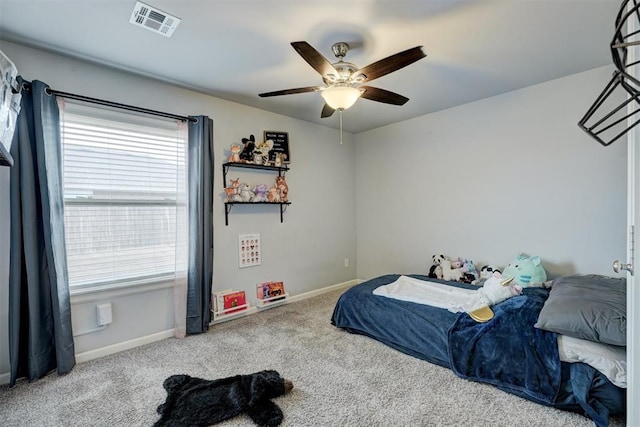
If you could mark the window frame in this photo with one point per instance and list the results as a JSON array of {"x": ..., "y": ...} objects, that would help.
[{"x": 157, "y": 280}]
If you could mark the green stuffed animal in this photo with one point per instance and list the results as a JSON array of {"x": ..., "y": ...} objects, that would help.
[{"x": 526, "y": 271}]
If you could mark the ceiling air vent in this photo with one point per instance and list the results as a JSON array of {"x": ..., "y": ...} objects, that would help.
[{"x": 154, "y": 19}]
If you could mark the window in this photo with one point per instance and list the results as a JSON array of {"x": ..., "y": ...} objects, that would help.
[{"x": 124, "y": 196}]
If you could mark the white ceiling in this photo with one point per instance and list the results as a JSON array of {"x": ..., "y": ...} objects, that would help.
[{"x": 235, "y": 49}]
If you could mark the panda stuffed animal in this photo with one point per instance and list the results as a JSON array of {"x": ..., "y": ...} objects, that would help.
[{"x": 435, "y": 272}]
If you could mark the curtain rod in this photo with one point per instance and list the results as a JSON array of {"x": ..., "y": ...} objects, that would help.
[
  {"x": 118, "y": 105},
  {"x": 113, "y": 104}
]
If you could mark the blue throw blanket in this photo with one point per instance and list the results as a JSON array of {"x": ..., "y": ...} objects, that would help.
[{"x": 508, "y": 351}]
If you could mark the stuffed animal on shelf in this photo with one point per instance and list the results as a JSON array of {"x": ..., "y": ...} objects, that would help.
[
  {"x": 435, "y": 272},
  {"x": 260, "y": 192},
  {"x": 273, "y": 195},
  {"x": 235, "y": 153},
  {"x": 247, "y": 151},
  {"x": 198, "y": 402},
  {"x": 495, "y": 290},
  {"x": 449, "y": 273},
  {"x": 526, "y": 271},
  {"x": 229, "y": 192},
  {"x": 245, "y": 193},
  {"x": 283, "y": 188},
  {"x": 261, "y": 152},
  {"x": 232, "y": 192},
  {"x": 279, "y": 159}
]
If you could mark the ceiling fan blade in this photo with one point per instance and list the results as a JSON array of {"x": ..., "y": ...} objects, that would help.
[
  {"x": 389, "y": 64},
  {"x": 381, "y": 95},
  {"x": 326, "y": 111},
  {"x": 290, "y": 91},
  {"x": 316, "y": 60}
]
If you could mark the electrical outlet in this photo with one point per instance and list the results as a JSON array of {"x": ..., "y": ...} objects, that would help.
[
  {"x": 105, "y": 316},
  {"x": 346, "y": 262}
]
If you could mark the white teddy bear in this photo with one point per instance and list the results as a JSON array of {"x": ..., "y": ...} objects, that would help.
[
  {"x": 449, "y": 273},
  {"x": 245, "y": 193}
]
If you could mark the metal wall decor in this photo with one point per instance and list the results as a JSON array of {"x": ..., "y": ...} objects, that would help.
[{"x": 607, "y": 119}]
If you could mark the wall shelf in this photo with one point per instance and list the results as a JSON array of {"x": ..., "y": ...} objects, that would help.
[
  {"x": 233, "y": 311},
  {"x": 225, "y": 169},
  {"x": 229, "y": 205},
  {"x": 272, "y": 302},
  {"x": 281, "y": 170}
]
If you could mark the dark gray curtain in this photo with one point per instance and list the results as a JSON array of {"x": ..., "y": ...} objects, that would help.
[
  {"x": 200, "y": 266},
  {"x": 40, "y": 336}
]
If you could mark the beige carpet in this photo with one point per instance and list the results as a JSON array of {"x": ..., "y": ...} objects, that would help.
[{"x": 340, "y": 379}]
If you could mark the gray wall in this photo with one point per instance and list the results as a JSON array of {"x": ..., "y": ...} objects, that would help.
[
  {"x": 307, "y": 251},
  {"x": 490, "y": 179}
]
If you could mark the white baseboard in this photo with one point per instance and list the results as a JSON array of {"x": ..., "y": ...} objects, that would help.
[
  {"x": 121, "y": 346},
  {"x": 324, "y": 290},
  {"x": 110, "y": 349},
  {"x": 159, "y": 336},
  {"x": 300, "y": 297}
]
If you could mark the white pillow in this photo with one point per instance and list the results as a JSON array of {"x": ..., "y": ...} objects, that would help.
[{"x": 611, "y": 360}]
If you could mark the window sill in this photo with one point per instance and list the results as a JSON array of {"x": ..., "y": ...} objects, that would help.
[{"x": 99, "y": 293}]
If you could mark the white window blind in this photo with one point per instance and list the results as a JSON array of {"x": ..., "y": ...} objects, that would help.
[{"x": 124, "y": 196}]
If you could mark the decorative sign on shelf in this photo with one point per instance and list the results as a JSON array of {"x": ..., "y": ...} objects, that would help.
[
  {"x": 250, "y": 250},
  {"x": 280, "y": 145}
]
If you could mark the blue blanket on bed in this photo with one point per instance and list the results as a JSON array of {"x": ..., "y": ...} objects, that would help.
[{"x": 508, "y": 351}]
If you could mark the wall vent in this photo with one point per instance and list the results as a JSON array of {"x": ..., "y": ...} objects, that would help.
[{"x": 154, "y": 19}]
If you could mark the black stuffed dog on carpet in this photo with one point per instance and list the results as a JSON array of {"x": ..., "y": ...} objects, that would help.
[{"x": 199, "y": 402}]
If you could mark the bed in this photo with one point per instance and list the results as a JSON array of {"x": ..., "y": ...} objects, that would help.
[{"x": 457, "y": 342}]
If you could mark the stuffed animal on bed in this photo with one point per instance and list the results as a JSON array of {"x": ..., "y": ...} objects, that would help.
[
  {"x": 526, "y": 271},
  {"x": 495, "y": 290},
  {"x": 469, "y": 272},
  {"x": 498, "y": 288},
  {"x": 450, "y": 273},
  {"x": 485, "y": 272},
  {"x": 435, "y": 272},
  {"x": 199, "y": 402}
]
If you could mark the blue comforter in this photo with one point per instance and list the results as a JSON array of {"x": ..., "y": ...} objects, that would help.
[{"x": 508, "y": 351}]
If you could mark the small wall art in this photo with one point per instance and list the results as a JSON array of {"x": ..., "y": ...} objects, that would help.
[{"x": 249, "y": 250}]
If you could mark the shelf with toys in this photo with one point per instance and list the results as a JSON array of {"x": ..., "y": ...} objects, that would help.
[
  {"x": 238, "y": 193},
  {"x": 225, "y": 168}
]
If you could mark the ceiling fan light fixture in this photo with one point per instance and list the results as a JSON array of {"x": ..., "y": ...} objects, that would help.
[{"x": 341, "y": 97}]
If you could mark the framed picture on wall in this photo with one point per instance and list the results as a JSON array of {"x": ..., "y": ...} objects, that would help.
[
  {"x": 249, "y": 250},
  {"x": 280, "y": 146}
]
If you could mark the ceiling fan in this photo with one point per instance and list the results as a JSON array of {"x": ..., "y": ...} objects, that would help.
[{"x": 344, "y": 80}]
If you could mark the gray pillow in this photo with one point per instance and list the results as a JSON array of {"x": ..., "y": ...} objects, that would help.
[{"x": 590, "y": 307}]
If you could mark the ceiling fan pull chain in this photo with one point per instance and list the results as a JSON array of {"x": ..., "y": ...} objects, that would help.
[{"x": 340, "y": 127}]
